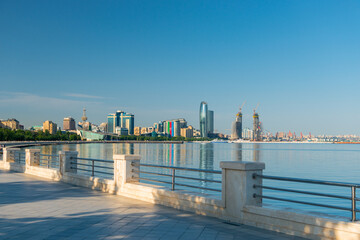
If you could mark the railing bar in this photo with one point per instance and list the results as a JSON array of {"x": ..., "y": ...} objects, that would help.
[
  {"x": 88, "y": 165},
  {"x": 198, "y": 179},
  {"x": 152, "y": 180},
  {"x": 48, "y": 155},
  {"x": 305, "y": 203},
  {"x": 178, "y": 168},
  {"x": 152, "y": 173},
  {"x": 177, "y": 176},
  {"x": 303, "y": 192},
  {"x": 340, "y": 184},
  {"x": 93, "y": 159},
  {"x": 191, "y": 186}
]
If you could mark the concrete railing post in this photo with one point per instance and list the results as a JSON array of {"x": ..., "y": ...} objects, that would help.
[
  {"x": 32, "y": 157},
  {"x": 123, "y": 169},
  {"x": 68, "y": 161},
  {"x": 11, "y": 154},
  {"x": 238, "y": 186}
]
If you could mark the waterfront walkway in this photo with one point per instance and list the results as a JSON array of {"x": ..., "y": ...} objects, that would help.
[{"x": 34, "y": 208}]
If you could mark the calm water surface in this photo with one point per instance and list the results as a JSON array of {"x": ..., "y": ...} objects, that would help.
[{"x": 335, "y": 162}]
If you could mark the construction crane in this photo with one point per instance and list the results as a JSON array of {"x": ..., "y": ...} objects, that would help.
[
  {"x": 242, "y": 106},
  {"x": 256, "y": 107}
]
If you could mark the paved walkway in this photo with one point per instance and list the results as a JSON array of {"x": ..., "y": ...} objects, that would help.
[{"x": 34, "y": 208}]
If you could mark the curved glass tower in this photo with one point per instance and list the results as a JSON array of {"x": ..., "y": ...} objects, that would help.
[{"x": 203, "y": 119}]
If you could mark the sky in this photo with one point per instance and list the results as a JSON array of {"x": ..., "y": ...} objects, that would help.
[{"x": 299, "y": 59}]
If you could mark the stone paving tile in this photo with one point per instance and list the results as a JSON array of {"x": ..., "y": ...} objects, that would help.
[{"x": 34, "y": 208}]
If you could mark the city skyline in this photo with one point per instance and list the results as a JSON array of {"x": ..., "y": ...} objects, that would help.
[{"x": 298, "y": 59}]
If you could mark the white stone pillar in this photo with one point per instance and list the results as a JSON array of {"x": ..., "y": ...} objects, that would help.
[
  {"x": 32, "y": 157},
  {"x": 238, "y": 186},
  {"x": 68, "y": 161},
  {"x": 123, "y": 169},
  {"x": 10, "y": 154}
]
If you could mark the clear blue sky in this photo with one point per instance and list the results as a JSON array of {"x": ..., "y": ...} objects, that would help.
[{"x": 159, "y": 59}]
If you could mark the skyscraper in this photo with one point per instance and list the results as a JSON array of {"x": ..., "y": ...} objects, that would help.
[
  {"x": 121, "y": 119},
  {"x": 210, "y": 121},
  {"x": 203, "y": 119},
  {"x": 237, "y": 126},
  {"x": 257, "y": 129}
]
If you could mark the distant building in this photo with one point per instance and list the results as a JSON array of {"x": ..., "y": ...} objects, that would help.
[
  {"x": 121, "y": 131},
  {"x": 10, "y": 123},
  {"x": 69, "y": 124},
  {"x": 36, "y": 128},
  {"x": 247, "y": 133},
  {"x": 257, "y": 129},
  {"x": 210, "y": 121},
  {"x": 203, "y": 119},
  {"x": 137, "y": 131},
  {"x": 120, "y": 119},
  {"x": 50, "y": 126},
  {"x": 172, "y": 127},
  {"x": 236, "y": 131},
  {"x": 187, "y": 132}
]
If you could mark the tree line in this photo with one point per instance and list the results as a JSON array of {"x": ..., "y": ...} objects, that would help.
[{"x": 27, "y": 135}]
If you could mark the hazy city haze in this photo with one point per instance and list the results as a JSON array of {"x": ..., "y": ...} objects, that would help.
[{"x": 160, "y": 59}]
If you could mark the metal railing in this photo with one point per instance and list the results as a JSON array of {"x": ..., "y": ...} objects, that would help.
[
  {"x": 173, "y": 176},
  {"x": 17, "y": 157},
  {"x": 48, "y": 160},
  {"x": 92, "y": 167},
  {"x": 352, "y": 186}
]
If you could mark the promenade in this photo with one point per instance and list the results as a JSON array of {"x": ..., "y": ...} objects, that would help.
[{"x": 35, "y": 208}]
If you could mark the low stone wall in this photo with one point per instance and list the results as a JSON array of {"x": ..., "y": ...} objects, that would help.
[
  {"x": 300, "y": 224},
  {"x": 179, "y": 199}
]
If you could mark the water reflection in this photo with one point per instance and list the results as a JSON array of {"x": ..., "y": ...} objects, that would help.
[
  {"x": 238, "y": 151},
  {"x": 256, "y": 153}
]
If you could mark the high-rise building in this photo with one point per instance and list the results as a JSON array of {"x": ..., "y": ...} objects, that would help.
[
  {"x": 203, "y": 119},
  {"x": 210, "y": 121},
  {"x": 10, "y": 123},
  {"x": 121, "y": 119},
  {"x": 137, "y": 131},
  {"x": 173, "y": 127},
  {"x": 236, "y": 132},
  {"x": 187, "y": 132},
  {"x": 257, "y": 129},
  {"x": 69, "y": 124},
  {"x": 50, "y": 126}
]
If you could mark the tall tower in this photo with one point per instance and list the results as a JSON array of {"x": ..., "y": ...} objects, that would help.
[
  {"x": 203, "y": 119},
  {"x": 257, "y": 129},
  {"x": 84, "y": 118},
  {"x": 210, "y": 121},
  {"x": 237, "y": 126}
]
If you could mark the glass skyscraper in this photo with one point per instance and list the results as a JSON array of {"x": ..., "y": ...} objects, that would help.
[
  {"x": 203, "y": 119},
  {"x": 121, "y": 119}
]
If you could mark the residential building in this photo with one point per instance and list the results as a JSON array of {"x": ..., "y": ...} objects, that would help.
[
  {"x": 50, "y": 126},
  {"x": 187, "y": 132},
  {"x": 10, "y": 123},
  {"x": 69, "y": 124},
  {"x": 137, "y": 131}
]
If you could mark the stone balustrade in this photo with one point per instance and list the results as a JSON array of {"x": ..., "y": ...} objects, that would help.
[{"x": 237, "y": 203}]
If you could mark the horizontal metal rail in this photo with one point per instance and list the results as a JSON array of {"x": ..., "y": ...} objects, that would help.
[
  {"x": 178, "y": 168},
  {"x": 174, "y": 176},
  {"x": 48, "y": 155},
  {"x": 353, "y": 187},
  {"x": 177, "y": 176},
  {"x": 87, "y": 170},
  {"x": 88, "y": 165},
  {"x": 93, "y": 159},
  {"x": 306, "y": 203},
  {"x": 305, "y": 192},
  {"x": 322, "y": 182}
]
